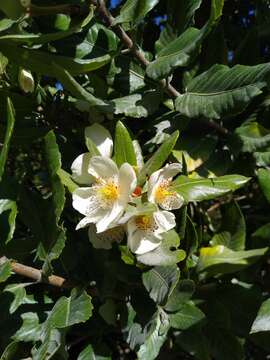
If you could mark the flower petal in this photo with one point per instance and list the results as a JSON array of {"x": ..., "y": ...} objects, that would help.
[
  {"x": 102, "y": 167},
  {"x": 172, "y": 202},
  {"x": 110, "y": 217},
  {"x": 86, "y": 202},
  {"x": 153, "y": 182},
  {"x": 165, "y": 221},
  {"x": 101, "y": 138},
  {"x": 141, "y": 242},
  {"x": 127, "y": 182},
  {"x": 170, "y": 170},
  {"x": 79, "y": 169}
]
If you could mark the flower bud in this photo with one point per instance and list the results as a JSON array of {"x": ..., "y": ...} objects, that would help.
[{"x": 26, "y": 81}]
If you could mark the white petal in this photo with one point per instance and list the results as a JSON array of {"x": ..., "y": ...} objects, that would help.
[
  {"x": 105, "y": 239},
  {"x": 101, "y": 138},
  {"x": 138, "y": 153},
  {"x": 79, "y": 169},
  {"x": 141, "y": 242},
  {"x": 102, "y": 167},
  {"x": 111, "y": 216},
  {"x": 172, "y": 202},
  {"x": 170, "y": 170},
  {"x": 81, "y": 198},
  {"x": 84, "y": 222},
  {"x": 165, "y": 221},
  {"x": 127, "y": 182},
  {"x": 153, "y": 182}
]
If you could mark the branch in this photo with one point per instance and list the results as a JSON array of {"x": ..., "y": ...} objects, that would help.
[
  {"x": 37, "y": 275},
  {"x": 108, "y": 19}
]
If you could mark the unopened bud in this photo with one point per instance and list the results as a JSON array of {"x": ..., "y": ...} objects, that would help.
[{"x": 26, "y": 81}]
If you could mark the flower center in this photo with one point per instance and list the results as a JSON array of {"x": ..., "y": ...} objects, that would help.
[
  {"x": 163, "y": 191},
  {"x": 109, "y": 191},
  {"x": 144, "y": 222}
]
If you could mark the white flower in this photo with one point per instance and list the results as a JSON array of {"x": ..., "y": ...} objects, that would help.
[
  {"x": 105, "y": 201},
  {"x": 159, "y": 188},
  {"x": 145, "y": 230},
  {"x": 103, "y": 141},
  {"x": 26, "y": 81}
]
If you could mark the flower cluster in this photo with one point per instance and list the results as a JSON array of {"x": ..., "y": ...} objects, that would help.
[{"x": 113, "y": 204}]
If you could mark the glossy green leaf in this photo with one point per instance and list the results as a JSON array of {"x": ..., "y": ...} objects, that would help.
[
  {"x": 159, "y": 157},
  {"x": 88, "y": 353},
  {"x": 30, "y": 329},
  {"x": 134, "y": 10},
  {"x": 205, "y": 189},
  {"x": 178, "y": 53},
  {"x": 41, "y": 61},
  {"x": 180, "y": 295},
  {"x": 123, "y": 146},
  {"x": 166, "y": 254},
  {"x": 155, "y": 337},
  {"x": 160, "y": 282},
  {"x": 66, "y": 180},
  {"x": 5, "y": 270},
  {"x": 264, "y": 181},
  {"x": 253, "y": 137},
  {"x": 11, "y": 206},
  {"x": 10, "y": 116},
  {"x": 55, "y": 240},
  {"x": 221, "y": 260},
  {"x": 262, "y": 321},
  {"x": 232, "y": 232},
  {"x": 223, "y": 91},
  {"x": 188, "y": 315},
  {"x": 20, "y": 296}
]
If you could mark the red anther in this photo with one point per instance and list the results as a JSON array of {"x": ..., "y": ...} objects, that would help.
[{"x": 137, "y": 192}]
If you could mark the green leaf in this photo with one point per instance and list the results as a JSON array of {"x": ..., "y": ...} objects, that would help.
[
  {"x": 69, "y": 311},
  {"x": 134, "y": 11},
  {"x": 14, "y": 9},
  {"x": 5, "y": 270},
  {"x": 12, "y": 351},
  {"x": 30, "y": 329},
  {"x": 253, "y": 137},
  {"x": 205, "y": 189},
  {"x": 232, "y": 232},
  {"x": 10, "y": 114},
  {"x": 264, "y": 181},
  {"x": 177, "y": 53},
  {"x": 88, "y": 353},
  {"x": 221, "y": 260},
  {"x": 137, "y": 105},
  {"x": 123, "y": 146},
  {"x": 188, "y": 315},
  {"x": 262, "y": 321},
  {"x": 180, "y": 295},
  {"x": 223, "y": 91},
  {"x": 66, "y": 180},
  {"x": 20, "y": 296},
  {"x": 41, "y": 62},
  {"x": 166, "y": 254},
  {"x": 155, "y": 337},
  {"x": 55, "y": 239},
  {"x": 9, "y": 205},
  {"x": 160, "y": 282},
  {"x": 158, "y": 159}
]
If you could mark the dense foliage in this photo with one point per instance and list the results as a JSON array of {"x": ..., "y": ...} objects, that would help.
[{"x": 171, "y": 257}]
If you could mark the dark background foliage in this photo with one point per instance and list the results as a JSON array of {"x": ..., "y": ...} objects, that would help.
[{"x": 218, "y": 310}]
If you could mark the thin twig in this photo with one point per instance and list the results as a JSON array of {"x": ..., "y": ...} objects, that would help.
[{"x": 36, "y": 274}]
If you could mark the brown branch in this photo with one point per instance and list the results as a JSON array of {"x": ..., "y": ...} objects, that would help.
[
  {"x": 36, "y": 274},
  {"x": 108, "y": 20}
]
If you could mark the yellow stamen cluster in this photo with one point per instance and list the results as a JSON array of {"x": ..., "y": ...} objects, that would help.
[
  {"x": 163, "y": 191},
  {"x": 144, "y": 222},
  {"x": 109, "y": 191}
]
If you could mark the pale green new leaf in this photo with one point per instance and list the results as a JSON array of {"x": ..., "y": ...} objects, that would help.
[
  {"x": 223, "y": 91},
  {"x": 88, "y": 353},
  {"x": 20, "y": 296},
  {"x": 124, "y": 151},
  {"x": 253, "y": 137},
  {"x": 5, "y": 270},
  {"x": 199, "y": 189},
  {"x": 159, "y": 157}
]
